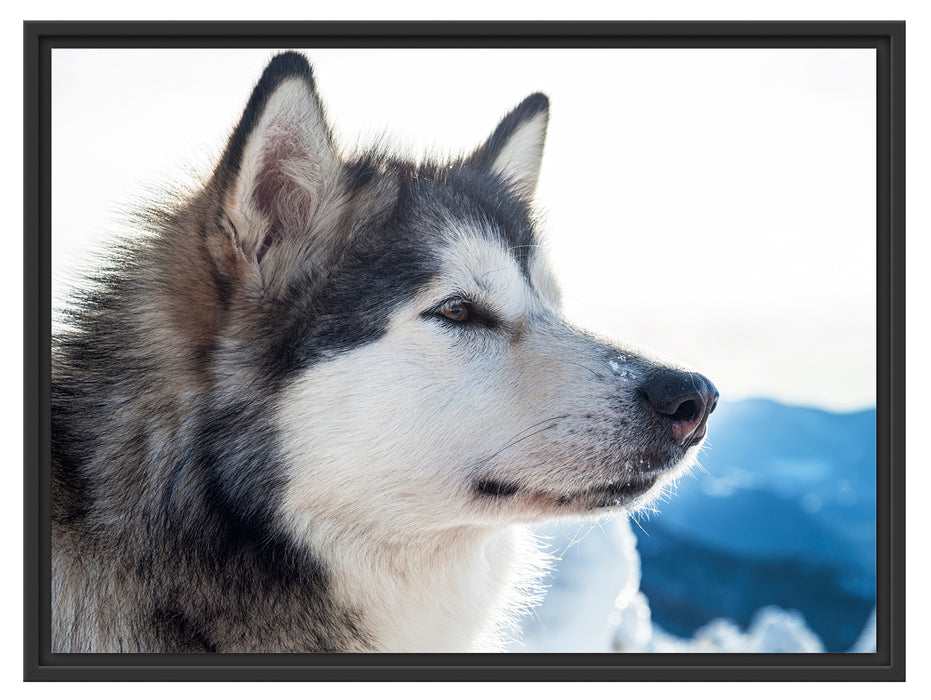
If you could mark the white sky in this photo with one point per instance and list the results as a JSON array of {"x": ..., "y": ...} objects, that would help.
[{"x": 715, "y": 206}]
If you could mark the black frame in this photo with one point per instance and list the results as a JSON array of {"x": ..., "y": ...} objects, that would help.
[{"x": 887, "y": 38}]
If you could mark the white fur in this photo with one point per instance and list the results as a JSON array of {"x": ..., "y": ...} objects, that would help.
[
  {"x": 372, "y": 496},
  {"x": 386, "y": 443}
]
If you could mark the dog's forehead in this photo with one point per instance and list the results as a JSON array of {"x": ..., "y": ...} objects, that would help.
[
  {"x": 463, "y": 200},
  {"x": 473, "y": 259}
]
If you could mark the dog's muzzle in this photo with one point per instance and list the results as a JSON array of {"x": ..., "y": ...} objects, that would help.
[{"x": 683, "y": 400}]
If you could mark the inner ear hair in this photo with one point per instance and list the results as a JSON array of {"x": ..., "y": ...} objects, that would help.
[{"x": 282, "y": 156}]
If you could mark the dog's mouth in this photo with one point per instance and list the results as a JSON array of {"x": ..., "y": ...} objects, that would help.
[
  {"x": 610, "y": 478},
  {"x": 611, "y": 495},
  {"x": 620, "y": 493}
]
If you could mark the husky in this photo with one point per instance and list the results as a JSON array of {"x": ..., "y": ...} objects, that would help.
[{"x": 315, "y": 404}]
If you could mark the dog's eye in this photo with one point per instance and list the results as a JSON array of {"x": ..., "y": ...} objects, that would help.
[{"x": 456, "y": 310}]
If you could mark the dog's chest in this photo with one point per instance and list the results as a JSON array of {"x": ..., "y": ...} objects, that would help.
[{"x": 459, "y": 599}]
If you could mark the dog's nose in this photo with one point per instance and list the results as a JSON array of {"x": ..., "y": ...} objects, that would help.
[{"x": 685, "y": 399}]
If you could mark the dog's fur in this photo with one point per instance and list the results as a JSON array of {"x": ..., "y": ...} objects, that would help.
[{"x": 273, "y": 432}]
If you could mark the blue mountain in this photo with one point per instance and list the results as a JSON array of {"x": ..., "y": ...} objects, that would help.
[{"x": 783, "y": 513}]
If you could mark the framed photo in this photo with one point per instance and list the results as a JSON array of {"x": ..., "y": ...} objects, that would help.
[{"x": 464, "y": 351}]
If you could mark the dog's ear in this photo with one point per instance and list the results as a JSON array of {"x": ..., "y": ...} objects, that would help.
[
  {"x": 280, "y": 159},
  {"x": 515, "y": 149}
]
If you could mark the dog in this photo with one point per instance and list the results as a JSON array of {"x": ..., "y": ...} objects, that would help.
[{"x": 314, "y": 406}]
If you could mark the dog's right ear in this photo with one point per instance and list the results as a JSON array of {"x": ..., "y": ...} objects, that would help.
[
  {"x": 514, "y": 151},
  {"x": 279, "y": 160}
]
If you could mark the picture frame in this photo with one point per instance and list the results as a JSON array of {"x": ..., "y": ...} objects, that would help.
[{"x": 888, "y": 41}]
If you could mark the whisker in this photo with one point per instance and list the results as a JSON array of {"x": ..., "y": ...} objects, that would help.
[
  {"x": 525, "y": 245},
  {"x": 491, "y": 272},
  {"x": 574, "y": 540},
  {"x": 577, "y": 364},
  {"x": 637, "y": 523},
  {"x": 520, "y": 437}
]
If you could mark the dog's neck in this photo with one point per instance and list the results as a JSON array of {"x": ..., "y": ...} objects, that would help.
[{"x": 458, "y": 590}]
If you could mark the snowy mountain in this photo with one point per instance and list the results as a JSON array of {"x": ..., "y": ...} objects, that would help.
[{"x": 781, "y": 518}]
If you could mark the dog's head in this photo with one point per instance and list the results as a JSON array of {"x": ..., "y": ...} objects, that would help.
[{"x": 408, "y": 322}]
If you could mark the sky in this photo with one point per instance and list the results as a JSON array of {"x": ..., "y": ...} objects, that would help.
[{"x": 714, "y": 206}]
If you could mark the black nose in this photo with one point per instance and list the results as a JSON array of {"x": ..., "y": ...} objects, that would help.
[{"x": 685, "y": 399}]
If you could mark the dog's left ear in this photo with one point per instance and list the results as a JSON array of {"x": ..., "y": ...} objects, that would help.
[{"x": 515, "y": 150}]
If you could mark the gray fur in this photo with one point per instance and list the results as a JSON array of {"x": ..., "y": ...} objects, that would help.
[{"x": 172, "y": 474}]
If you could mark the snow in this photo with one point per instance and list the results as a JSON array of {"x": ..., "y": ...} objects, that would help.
[
  {"x": 595, "y": 605},
  {"x": 598, "y": 567},
  {"x": 866, "y": 644}
]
